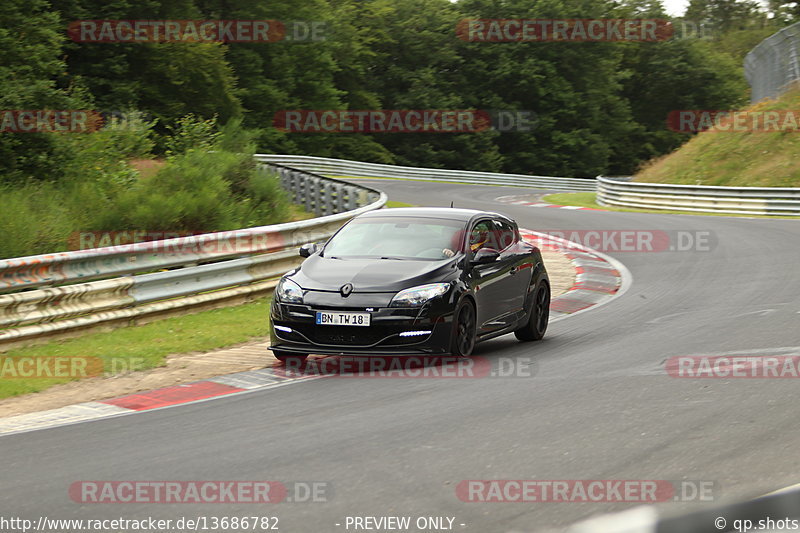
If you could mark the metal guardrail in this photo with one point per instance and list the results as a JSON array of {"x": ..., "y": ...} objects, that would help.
[
  {"x": 618, "y": 191},
  {"x": 774, "y": 64},
  {"x": 321, "y": 195},
  {"x": 344, "y": 167},
  {"x": 782, "y": 201},
  {"x": 54, "y": 295}
]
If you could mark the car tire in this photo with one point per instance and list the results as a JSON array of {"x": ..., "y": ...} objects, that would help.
[
  {"x": 290, "y": 359},
  {"x": 462, "y": 340},
  {"x": 538, "y": 317}
]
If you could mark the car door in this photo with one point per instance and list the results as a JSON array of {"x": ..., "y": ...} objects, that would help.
[
  {"x": 490, "y": 282},
  {"x": 515, "y": 288}
]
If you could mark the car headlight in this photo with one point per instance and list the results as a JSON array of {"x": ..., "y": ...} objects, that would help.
[
  {"x": 289, "y": 292},
  {"x": 416, "y": 296}
]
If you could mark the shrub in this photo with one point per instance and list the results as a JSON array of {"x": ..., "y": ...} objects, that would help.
[
  {"x": 206, "y": 185},
  {"x": 191, "y": 133},
  {"x": 210, "y": 182}
]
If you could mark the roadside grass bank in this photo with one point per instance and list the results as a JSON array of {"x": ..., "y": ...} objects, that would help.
[
  {"x": 752, "y": 152},
  {"x": 146, "y": 346},
  {"x": 392, "y": 204}
]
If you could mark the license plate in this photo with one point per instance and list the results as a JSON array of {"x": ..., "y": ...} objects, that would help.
[{"x": 342, "y": 319}]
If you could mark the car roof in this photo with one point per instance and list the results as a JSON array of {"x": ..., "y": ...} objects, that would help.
[{"x": 450, "y": 213}]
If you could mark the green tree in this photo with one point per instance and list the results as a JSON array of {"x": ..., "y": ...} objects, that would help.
[
  {"x": 30, "y": 38},
  {"x": 583, "y": 122},
  {"x": 723, "y": 16},
  {"x": 677, "y": 75},
  {"x": 166, "y": 80}
]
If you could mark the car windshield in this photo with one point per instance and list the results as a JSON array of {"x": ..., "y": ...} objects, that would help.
[{"x": 427, "y": 239}]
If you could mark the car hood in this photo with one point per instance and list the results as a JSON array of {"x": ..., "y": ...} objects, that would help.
[{"x": 371, "y": 275}]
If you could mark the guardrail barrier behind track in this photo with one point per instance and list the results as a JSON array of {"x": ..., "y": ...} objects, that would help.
[
  {"x": 344, "y": 167},
  {"x": 699, "y": 198},
  {"x": 55, "y": 295}
]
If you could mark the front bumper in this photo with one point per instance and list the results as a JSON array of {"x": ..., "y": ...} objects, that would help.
[{"x": 382, "y": 337}]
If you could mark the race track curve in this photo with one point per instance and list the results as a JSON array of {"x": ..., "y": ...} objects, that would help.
[{"x": 598, "y": 406}]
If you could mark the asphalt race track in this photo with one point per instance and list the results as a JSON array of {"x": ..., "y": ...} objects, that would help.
[{"x": 599, "y": 404}]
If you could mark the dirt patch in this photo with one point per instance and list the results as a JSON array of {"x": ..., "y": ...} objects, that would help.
[
  {"x": 147, "y": 167},
  {"x": 185, "y": 368},
  {"x": 560, "y": 270},
  {"x": 180, "y": 368}
]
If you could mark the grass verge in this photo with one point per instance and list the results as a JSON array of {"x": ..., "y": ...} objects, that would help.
[
  {"x": 298, "y": 212},
  {"x": 740, "y": 155},
  {"x": 392, "y": 203},
  {"x": 147, "y": 346}
]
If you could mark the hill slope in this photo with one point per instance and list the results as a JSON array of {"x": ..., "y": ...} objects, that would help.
[{"x": 736, "y": 158}]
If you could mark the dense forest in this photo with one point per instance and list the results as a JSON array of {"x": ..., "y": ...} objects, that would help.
[
  {"x": 600, "y": 107},
  {"x": 179, "y": 119}
]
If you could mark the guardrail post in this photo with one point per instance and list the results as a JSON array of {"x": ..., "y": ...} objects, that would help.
[
  {"x": 341, "y": 197},
  {"x": 324, "y": 197}
]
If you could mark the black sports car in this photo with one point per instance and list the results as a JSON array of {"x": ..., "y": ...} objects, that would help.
[{"x": 411, "y": 281}]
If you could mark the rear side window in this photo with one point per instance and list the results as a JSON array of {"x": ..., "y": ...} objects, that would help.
[{"x": 504, "y": 233}]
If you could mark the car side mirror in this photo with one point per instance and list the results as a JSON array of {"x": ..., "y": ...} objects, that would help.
[
  {"x": 308, "y": 249},
  {"x": 485, "y": 256}
]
